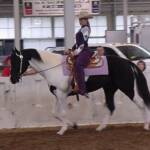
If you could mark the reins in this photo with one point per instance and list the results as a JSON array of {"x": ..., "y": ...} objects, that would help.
[{"x": 50, "y": 68}]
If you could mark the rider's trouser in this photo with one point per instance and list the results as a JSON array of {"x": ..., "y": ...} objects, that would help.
[{"x": 82, "y": 61}]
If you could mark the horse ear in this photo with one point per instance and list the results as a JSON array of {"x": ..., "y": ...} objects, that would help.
[{"x": 16, "y": 51}]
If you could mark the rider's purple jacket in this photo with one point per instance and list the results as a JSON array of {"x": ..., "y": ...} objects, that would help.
[
  {"x": 82, "y": 51},
  {"x": 82, "y": 37}
]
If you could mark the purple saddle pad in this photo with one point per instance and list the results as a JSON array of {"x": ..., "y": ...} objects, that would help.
[{"x": 99, "y": 70}]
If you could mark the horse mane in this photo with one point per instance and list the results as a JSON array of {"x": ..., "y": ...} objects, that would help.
[{"x": 32, "y": 53}]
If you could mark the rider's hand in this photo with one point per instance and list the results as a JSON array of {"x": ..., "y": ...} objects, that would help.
[{"x": 72, "y": 54}]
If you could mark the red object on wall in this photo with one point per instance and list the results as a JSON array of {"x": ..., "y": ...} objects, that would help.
[
  {"x": 6, "y": 69},
  {"x": 28, "y": 8},
  {"x": 6, "y": 72}
]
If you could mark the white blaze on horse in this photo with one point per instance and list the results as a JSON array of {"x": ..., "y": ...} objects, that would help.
[{"x": 122, "y": 75}]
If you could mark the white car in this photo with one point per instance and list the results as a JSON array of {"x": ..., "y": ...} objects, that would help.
[
  {"x": 132, "y": 52},
  {"x": 128, "y": 51}
]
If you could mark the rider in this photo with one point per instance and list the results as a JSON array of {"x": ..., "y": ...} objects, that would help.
[{"x": 81, "y": 51}]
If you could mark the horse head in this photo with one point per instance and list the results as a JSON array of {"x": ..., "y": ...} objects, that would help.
[{"x": 19, "y": 64}]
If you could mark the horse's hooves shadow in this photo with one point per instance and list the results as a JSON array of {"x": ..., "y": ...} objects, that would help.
[{"x": 75, "y": 126}]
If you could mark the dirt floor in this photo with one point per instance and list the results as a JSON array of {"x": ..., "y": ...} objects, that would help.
[{"x": 118, "y": 137}]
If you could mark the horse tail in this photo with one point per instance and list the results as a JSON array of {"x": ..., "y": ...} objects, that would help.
[{"x": 142, "y": 87}]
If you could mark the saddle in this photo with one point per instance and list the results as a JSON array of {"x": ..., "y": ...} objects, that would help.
[{"x": 95, "y": 61}]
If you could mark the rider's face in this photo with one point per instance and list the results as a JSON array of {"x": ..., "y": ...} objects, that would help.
[
  {"x": 83, "y": 21},
  {"x": 141, "y": 66}
]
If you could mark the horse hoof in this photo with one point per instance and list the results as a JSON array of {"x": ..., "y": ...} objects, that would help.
[
  {"x": 60, "y": 133},
  {"x": 100, "y": 128},
  {"x": 62, "y": 130},
  {"x": 146, "y": 127}
]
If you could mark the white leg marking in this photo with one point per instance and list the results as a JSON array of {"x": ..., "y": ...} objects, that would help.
[
  {"x": 61, "y": 110},
  {"x": 62, "y": 130},
  {"x": 92, "y": 101},
  {"x": 137, "y": 99},
  {"x": 147, "y": 118},
  {"x": 145, "y": 110},
  {"x": 105, "y": 121},
  {"x": 55, "y": 107},
  {"x": 139, "y": 103}
]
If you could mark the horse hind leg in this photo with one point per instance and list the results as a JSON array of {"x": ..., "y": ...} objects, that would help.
[
  {"x": 110, "y": 107},
  {"x": 139, "y": 101},
  {"x": 140, "y": 104},
  {"x": 145, "y": 111},
  {"x": 93, "y": 105},
  {"x": 146, "y": 118},
  {"x": 146, "y": 114}
]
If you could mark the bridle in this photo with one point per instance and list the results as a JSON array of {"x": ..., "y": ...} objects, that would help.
[{"x": 21, "y": 62}]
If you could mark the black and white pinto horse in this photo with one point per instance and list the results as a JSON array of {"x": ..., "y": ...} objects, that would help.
[{"x": 123, "y": 75}]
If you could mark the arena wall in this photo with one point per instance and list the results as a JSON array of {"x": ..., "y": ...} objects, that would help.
[{"x": 29, "y": 104}]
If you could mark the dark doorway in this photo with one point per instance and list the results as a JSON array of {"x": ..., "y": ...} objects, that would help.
[
  {"x": 60, "y": 42},
  {"x": 6, "y": 46}
]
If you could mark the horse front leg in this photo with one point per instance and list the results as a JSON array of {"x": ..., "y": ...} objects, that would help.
[
  {"x": 56, "y": 108},
  {"x": 105, "y": 120},
  {"x": 93, "y": 105},
  {"x": 61, "y": 111}
]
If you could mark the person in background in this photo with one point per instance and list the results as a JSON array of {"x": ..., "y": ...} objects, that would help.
[
  {"x": 7, "y": 68},
  {"x": 141, "y": 65},
  {"x": 99, "y": 53},
  {"x": 100, "y": 50}
]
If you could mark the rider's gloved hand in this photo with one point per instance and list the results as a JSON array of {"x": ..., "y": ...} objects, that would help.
[{"x": 78, "y": 50}]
